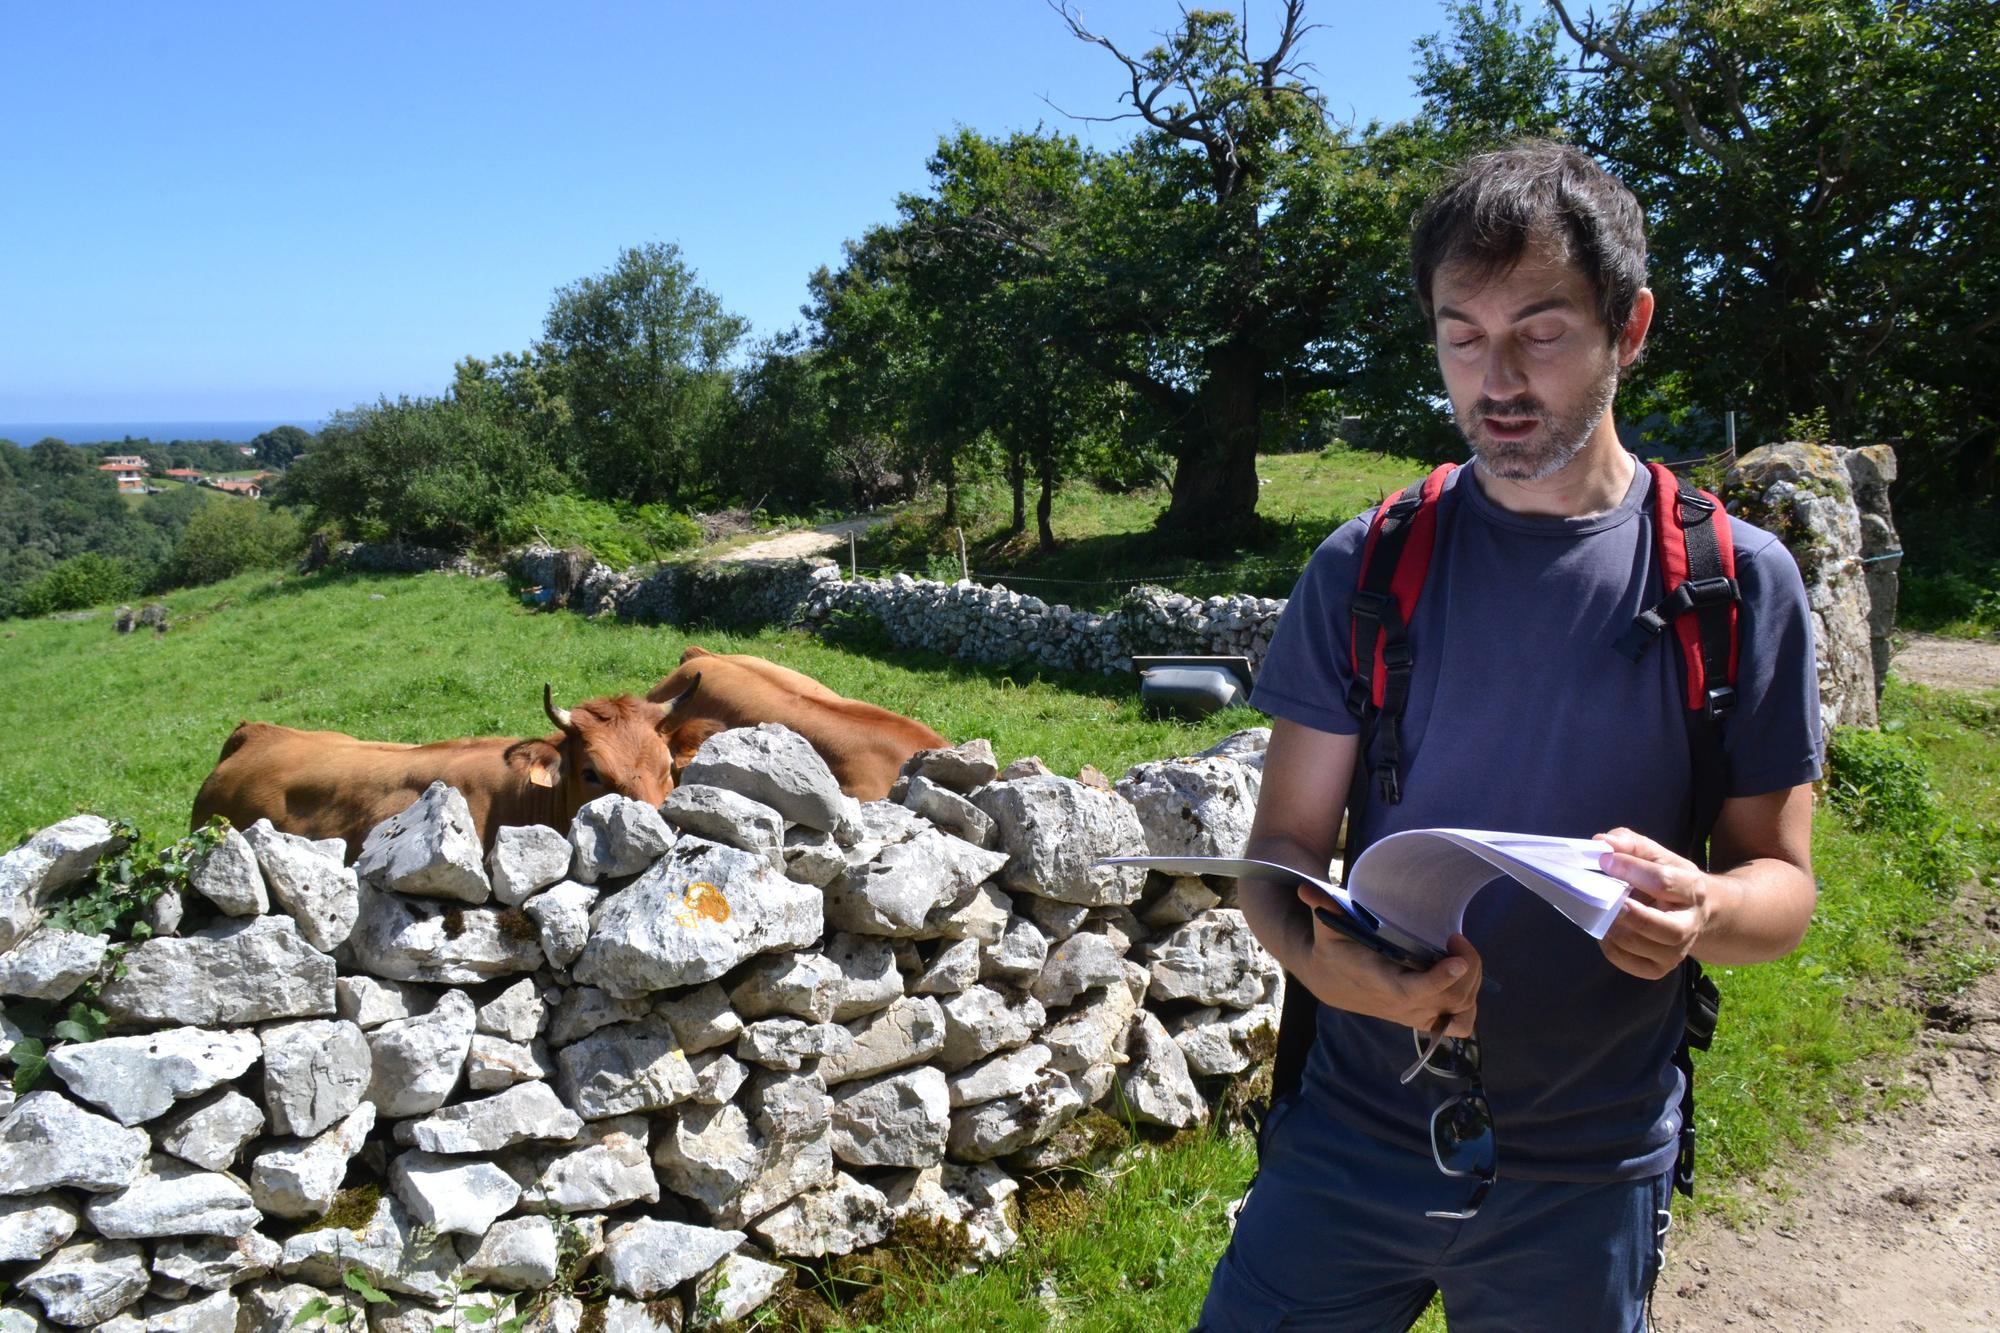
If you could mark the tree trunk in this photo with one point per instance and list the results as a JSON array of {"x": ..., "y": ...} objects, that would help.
[
  {"x": 1044, "y": 534},
  {"x": 1215, "y": 474},
  {"x": 1017, "y": 477}
]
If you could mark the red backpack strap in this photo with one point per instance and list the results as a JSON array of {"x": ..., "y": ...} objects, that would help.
[
  {"x": 1697, "y": 557},
  {"x": 1394, "y": 563}
]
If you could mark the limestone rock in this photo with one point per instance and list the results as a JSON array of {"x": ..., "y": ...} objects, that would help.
[
  {"x": 786, "y": 1043},
  {"x": 895, "y": 893},
  {"x": 51, "y": 963},
  {"x": 88, "y": 1282},
  {"x": 452, "y": 1194},
  {"x": 605, "y": 1167},
  {"x": 389, "y": 1248},
  {"x": 1092, "y": 1033},
  {"x": 948, "y": 810},
  {"x": 369, "y": 1003},
  {"x": 1213, "y": 959},
  {"x": 525, "y": 860},
  {"x": 982, "y": 914},
  {"x": 812, "y": 856},
  {"x": 216, "y": 1263},
  {"x": 648, "y": 1258},
  {"x": 51, "y": 859},
  {"x": 1155, "y": 1083},
  {"x": 740, "y": 1164},
  {"x": 701, "y": 910},
  {"x": 1055, "y": 830},
  {"x": 214, "y": 1313},
  {"x": 33, "y": 1226},
  {"x": 416, "y": 1062},
  {"x": 247, "y": 971},
  {"x": 907, "y": 1032},
  {"x": 701, "y": 1018},
  {"x": 899, "y": 1119},
  {"x": 724, "y": 816},
  {"x": 1223, "y": 1042},
  {"x": 615, "y": 836},
  {"x": 48, "y": 1141},
  {"x": 495, "y": 1062},
  {"x": 625, "y": 1068},
  {"x": 982, "y": 1020},
  {"x": 868, "y": 978},
  {"x": 735, "y": 1289},
  {"x": 487, "y": 1124},
  {"x": 171, "y": 1198},
  {"x": 1018, "y": 957},
  {"x": 962, "y": 768},
  {"x": 1192, "y": 807},
  {"x": 315, "y": 1072},
  {"x": 772, "y": 764},
  {"x": 717, "y": 1077},
  {"x": 212, "y": 1131},
  {"x": 230, "y": 878},
  {"x": 301, "y": 1180},
  {"x": 837, "y": 1218},
  {"x": 134, "y": 1079},
  {"x": 310, "y": 883},
  {"x": 1008, "y": 1074},
  {"x": 517, "y": 1254},
  {"x": 517, "y": 1013},
  {"x": 1184, "y": 898},
  {"x": 563, "y": 914},
  {"x": 799, "y": 985},
  {"x": 429, "y": 850},
  {"x": 1080, "y": 963},
  {"x": 976, "y": 1200},
  {"x": 419, "y": 939},
  {"x": 955, "y": 968},
  {"x": 992, "y": 1129}
]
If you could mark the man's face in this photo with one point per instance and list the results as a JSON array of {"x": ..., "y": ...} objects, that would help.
[{"x": 1530, "y": 368}]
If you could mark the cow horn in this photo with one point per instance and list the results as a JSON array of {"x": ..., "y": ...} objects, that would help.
[
  {"x": 559, "y": 716},
  {"x": 675, "y": 705}
]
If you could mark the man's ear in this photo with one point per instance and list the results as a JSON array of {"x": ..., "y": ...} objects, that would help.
[
  {"x": 540, "y": 762},
  {"x": 1632, "y": 338}
]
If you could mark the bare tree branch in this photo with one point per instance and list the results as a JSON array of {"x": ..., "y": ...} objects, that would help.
[{"x": 1594, "y": 40}]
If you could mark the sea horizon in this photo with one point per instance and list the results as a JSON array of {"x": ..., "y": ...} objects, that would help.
[{"x": 25, "y": 433}]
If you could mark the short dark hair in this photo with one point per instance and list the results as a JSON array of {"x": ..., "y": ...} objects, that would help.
[{"x": 1497, "y": 204}]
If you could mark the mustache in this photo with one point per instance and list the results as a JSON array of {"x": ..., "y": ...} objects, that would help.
[{"x": 1511, "y": 408}]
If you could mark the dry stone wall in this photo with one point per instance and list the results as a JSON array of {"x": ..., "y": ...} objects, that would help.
[{"x": 674, "y": 1048}]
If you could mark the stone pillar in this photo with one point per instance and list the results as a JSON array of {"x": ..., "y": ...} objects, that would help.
[
  {"x": 1805, "y": 495},
  {"x": 1870, "y": 471}
]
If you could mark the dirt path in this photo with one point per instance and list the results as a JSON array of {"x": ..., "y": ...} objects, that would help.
[
  {"x": 1953, "y": 664},
  {"x": 825, "y": 539},
  {"x": 1897, "y": 1227}
]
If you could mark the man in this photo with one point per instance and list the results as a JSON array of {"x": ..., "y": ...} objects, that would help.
[{"x": 1521, "y": 715}]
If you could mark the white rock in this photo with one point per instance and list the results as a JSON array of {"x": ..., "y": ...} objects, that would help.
[
  {"x": 982, "y": 914},
  {"x": 214, "y": 1313},
  {"x": 518, "y": 1254},
  {"x": 800, "y": 985},
  {"x": 1184, "y": 899},
  {"x": 1192, "y": 807},
  {"x": 315, "y": 1072},
  {"x": 495, "y": 1062},
  {"x": 701, "y": 1018},
  {"x": 229, "y": 877},
  {"x": 1008, "y": 1074},
  {"x": 907, "y": 1032},
  {"x": 868, "y": 977},
  {"x": 51, "y": 963},
  {"x": 33, "y": 1226},
  {"x": 246, "y": 971},
  {"x": 948, "y": 810},
  {"x": 1018, "y": 956},
  {"x": 134, "y": 1079},
  {"x": 896, "y": 892},
  {"x": 52, "y": 859},
  {"x": 812, "y": 856},
  {"x": 736, "y": 1289},
  {"x": 648, "y": 1258},
  {"x": 450, "y": 1193},
  {"x": 390, "y": 1249},
  {"x": 582, "y": 1010},
  {"x": 1092, "y": 1033},
  {"x": 963, "y": 768},
  {"x": 48, "y": 1141},
  {"x": 216, "y": 1263},
  {"x": 519, "y": 1013},
  {"x": 420, "y": 939},
  {"x": 1082, "y": 962},
  {"x": 211, "y": 1132},
  {"x": 486, "y": 1124},
  {"x": 271, "y": 1306},
  {"x": 738, "y": 1167},
  {"x": 992, "y": 1129},
  {"x": 525, "y": 860},
  {"x": 1213, "y": 959},
  {"x": 88, "y": 1282},
  {"x": 1155, "y": 1083},
  {"x": 837, "y": 1218},
  {"x": 1056, "y": 920},
  {"x": 701, "y": 910},
  {"x": 563, "y": 914},
  {"x": 624, "y": 1315},
  {"x": 786, "y": 1043},
  {"x": 626, "y": 1068},
  {"x": 369, "y": 1003},
  {"x": 973, "y": 1198},
  {"x": 605, "y": 1167},
  {"x": 899, "y": 1119},
  {"x": 170, "y": 1198},
  {"x": 316, "y": 889},
  {"x": 982, "y": 1020},
  {"x": 717, "y": 1077},
  {"x": 429, "y": 850},
  {"x": 416, "y": 1062},
  {"x": 615, "y": 836},
  {"x": 774, "y": 765},
  {"x": 1055, "y": 831},
  {"x": 956, "y": 968},
  {"x": 301, "y": 1179},
  {"x": 724, "y": 816}
]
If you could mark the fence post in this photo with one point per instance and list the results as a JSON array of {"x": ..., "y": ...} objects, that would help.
[
  {"x": 853, "y": 570},
  {"x": 964, "y": 569}
]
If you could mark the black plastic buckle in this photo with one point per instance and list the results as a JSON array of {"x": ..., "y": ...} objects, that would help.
[
  {"x": 1707, "y": 592},
  {"x": 1695, "y": 500},
  {"x": 1387, "y": 785},
  {"x": 1370, "y": 605},
  {"x": 1397, "y": 656},
  {"x": 1721, "y": 702},
  {"x": 1639, "y": 635}
]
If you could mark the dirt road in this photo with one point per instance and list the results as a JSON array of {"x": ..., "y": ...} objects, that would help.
[{"x": 826, "y": 539}]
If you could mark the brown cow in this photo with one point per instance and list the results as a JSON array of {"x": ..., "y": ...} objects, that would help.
[
  {"x": 865, "y": 746},
  {"x": 323, "y": 784}
]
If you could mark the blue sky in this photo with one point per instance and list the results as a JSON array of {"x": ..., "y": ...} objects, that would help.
[{"x": 234, "y": 211}]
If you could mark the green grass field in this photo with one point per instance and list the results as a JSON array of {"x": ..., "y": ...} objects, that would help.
[{"x": 129, "y": 725}]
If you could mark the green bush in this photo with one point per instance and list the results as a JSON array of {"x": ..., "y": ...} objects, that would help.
[
  {"x": 83, "y": 580},
  {"x": 1879, "y": 783},
  {"x": 618, "y": 534},
  {"x": 224, "y": 538}
]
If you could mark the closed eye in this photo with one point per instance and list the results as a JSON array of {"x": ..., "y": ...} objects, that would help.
[{"x": 590, "y": 776}]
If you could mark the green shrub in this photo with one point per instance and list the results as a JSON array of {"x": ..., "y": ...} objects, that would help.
[
  {"x": 83, "y": 580},
  {"x": 224, "y": 538},
  {"x": 1879, "y": 783},
  {"x": 618, "y": 534}
]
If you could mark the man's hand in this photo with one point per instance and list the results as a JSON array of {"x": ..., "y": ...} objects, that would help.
[
  {"x": 1671, "y": 904},
  {"x": 1354, "y": 977}
]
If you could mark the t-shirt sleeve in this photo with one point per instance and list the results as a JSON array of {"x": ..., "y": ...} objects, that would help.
[
  {"x": 1307, "y": 672},
  {"x": 1773, "y": 739}
]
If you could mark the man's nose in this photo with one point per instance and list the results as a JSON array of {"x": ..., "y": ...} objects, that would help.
[{"x": 1502, "y": 377}]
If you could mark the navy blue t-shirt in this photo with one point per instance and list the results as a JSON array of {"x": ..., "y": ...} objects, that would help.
[{"x": 1522, "y": 716}]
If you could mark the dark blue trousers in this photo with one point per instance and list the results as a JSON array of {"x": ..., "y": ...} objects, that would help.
[{"x": 1333, "y": 1237}]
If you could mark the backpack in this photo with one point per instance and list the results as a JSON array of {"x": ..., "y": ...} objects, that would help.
[{"x": 1697, "y": 560}]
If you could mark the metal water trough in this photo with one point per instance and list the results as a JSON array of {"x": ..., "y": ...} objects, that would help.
[{"x": 1193, "y": 686}]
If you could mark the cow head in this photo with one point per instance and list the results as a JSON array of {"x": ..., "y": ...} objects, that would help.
[{"x": 618, "y": 744}]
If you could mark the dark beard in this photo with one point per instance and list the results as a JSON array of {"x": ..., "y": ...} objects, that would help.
[{"x": 1546, "y": 450}]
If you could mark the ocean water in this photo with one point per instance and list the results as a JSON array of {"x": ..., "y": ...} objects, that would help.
[{"x": 159, "y": 432}]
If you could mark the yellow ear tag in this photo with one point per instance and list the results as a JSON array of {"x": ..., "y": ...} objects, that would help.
[{"x": 541, "y": 776}]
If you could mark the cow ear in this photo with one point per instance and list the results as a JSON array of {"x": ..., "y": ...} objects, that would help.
[{"x": 538, "y": 761}]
